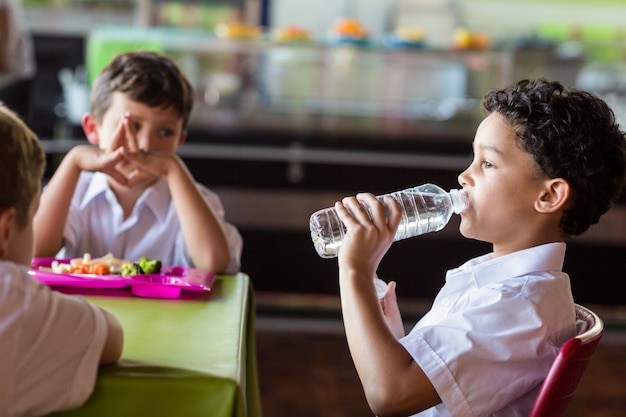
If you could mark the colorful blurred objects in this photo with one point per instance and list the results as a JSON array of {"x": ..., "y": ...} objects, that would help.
[
  {"x": 348, "y": 30},
  {"x": 463, "y": 38},
  {"x": 291, "y": 33},
  {"x": 192, "y": 16},
  {"x": 238, "y": 31},
  {"x": 407, "y": 37}
]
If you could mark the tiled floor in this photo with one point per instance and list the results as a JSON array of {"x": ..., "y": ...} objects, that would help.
[
  {"x": 305, "y": 369},
  {"x": 306, "y": 373}
]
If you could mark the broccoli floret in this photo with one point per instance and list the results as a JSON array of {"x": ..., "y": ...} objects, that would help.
[
  {"x": 150, "y": 266},
  {"x": 131, "y": 268}
]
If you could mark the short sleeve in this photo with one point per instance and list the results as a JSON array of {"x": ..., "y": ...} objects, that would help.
[
  {"x": 471, "y": 352},
  {"x": 54, "y": 342},
  {"x": 235, "y": 242}
]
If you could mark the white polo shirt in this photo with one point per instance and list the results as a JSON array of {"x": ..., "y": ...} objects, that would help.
[
  {"x": 493, "y": 331},
  {"x": 95, "y": 224},
  {"x": 50, "y": 346}
]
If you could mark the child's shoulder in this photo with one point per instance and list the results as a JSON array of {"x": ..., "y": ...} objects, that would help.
[{"x": 15, "y": 281}]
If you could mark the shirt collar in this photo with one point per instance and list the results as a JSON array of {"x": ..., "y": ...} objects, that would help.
[
  {"x": 156, "y": 197},
  {"x": 487, "y": 269},
  {"x": 97, "y": 185}
]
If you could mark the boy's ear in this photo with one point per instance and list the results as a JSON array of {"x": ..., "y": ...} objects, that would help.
[
  {"x": 554, "y": 196},
  {"x": 183, "y": 138},
  {"x": 7, "y": 218},
  {"x": 90, "y": 127}
]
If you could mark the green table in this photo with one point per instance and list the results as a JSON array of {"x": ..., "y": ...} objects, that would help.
[{"x": 193, "y": 356}]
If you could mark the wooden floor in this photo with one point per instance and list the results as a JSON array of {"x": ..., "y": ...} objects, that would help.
[{"x": 305, "y": 369}]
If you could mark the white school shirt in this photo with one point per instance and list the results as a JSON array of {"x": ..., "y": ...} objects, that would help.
[
  {"x": 493, "y": 331},
  {"x": 95, "y": 224},
  {"x": 50, "y": 346}
]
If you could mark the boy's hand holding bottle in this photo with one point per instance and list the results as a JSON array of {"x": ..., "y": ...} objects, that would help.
[{"x": 369, "y": 232}]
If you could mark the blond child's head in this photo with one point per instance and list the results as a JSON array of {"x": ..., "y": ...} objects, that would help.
[
  {"x": 22, "y": 165},
  {"x": 21, "y": 170}
]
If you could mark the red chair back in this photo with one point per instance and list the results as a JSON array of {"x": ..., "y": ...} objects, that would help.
[{"x": 569, "y": 366}]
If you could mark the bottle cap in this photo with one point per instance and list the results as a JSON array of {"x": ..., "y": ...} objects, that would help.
[{"x": 460, "y": 200}]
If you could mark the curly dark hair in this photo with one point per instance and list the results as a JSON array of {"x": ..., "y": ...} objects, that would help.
[
  {"x": 148, "y": 78},
  {"x": 571, "y": 134}
]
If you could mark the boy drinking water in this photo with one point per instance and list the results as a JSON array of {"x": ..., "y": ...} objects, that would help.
[{"x": 547, "y": 164}]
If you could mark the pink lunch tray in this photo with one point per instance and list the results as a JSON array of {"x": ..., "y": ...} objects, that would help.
[{"x": 168, "y": 284}]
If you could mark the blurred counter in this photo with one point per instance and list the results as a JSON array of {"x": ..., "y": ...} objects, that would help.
[{"x": 370, "y": 91}]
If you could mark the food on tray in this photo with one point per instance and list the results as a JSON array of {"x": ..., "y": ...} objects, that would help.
[
  {"x": 105, "y": 265},
  {"x": 168, "y": 283},
  {"x": 143, "y": 266},
  {"x": 291, "y": 33}
]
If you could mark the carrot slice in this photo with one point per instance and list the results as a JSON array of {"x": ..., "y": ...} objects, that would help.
[{"x": 100, "y": 269}]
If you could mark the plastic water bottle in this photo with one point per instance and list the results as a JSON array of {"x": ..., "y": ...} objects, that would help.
[{"x": 426, "y": 208}]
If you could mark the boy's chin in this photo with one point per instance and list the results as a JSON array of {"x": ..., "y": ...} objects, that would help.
[
  {"x": 141, "y": 180},
  {"x": 466, "y": 231},
  {"x": 136, "y": 180}
]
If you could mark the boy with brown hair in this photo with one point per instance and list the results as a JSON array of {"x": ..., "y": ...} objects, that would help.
[
  {"x": 131, "y": 195},
  {"x": 548, "y": 162},
  {"x": 50, "y": 344}
]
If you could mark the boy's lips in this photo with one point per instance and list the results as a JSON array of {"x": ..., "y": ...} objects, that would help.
[
  {"x": 468, "y": 199},
  {"x": 132, "y": 174}
]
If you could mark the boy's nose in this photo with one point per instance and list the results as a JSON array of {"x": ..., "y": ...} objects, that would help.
[
  {"x": 463, "y": 178},
  {"x": 143, "y": 142}
]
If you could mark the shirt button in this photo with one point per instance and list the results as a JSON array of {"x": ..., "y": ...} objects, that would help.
[{"x": 445, "y": 302}]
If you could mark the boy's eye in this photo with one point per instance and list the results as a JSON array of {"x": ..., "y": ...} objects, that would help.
[
  {"x": 487, "y": 164},
  {"x": 166, "y": 132}
]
